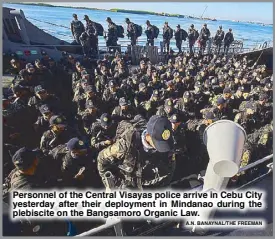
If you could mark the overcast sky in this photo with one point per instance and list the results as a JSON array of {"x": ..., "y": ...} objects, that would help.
[{"x": 244, "y": 11}]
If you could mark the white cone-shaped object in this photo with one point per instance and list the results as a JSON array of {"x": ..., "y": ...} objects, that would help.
[{"x": 224, "y": 140}]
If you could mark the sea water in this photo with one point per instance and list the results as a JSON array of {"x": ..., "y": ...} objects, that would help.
[{"x": 251, "y": 34}]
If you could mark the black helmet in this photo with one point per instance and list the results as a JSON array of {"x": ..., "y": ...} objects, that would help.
[
  {"x": 86, "y": 17},
  {"x": 220, "y": 27},
  {"x": 192, "y": 25},
  {"x": 147, "y": 22},
  {"x": 74, "y": 15},
  {"x": 108, "y": 19},
  {"x": 127, "y": 19}
]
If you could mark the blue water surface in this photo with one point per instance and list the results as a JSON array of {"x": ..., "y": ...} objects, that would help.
[{"x": 250, "y": 34}]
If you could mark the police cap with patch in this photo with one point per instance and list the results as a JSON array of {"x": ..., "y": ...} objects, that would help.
[
  {"x": 155, "y": 93},
  {"x": 89, "y": 104},
  {"x": 57, "y": 120},
  {"x": 160, "y": 130},
  {"x": 111, "y": 83},
  {"x": 220, "y": 100},
  {"x": 168, "y": 103},
  {"x": 186, "y": 94},
  {"x": 89, "y": 88},
  {"x": 141, "y": 86},
  {"x": 241, "y": 88},
  {"x": 263, "y": 96},
  {"x": 268, "y": 86},
  {"x": 123, "y": 101},
  {"x": 38, "y": 89},
  {"x": 76, "y": 144},
  {"x": 250, "y": 105},
  {"x": 44, "y": 109},
  {"x": 175, "y": 118},
  {"x": 29, "y": 66},
  {"x": 105, "y": 119},
  {"x": 227, "y": 90},
  {"x": 24, "y": 158},
  {"x": 210, "y": 116}
]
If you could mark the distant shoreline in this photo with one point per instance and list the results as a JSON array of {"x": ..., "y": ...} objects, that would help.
[{"x": 138, "y": 12}]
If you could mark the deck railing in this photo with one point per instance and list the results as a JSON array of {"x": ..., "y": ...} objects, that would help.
[{"x": 116, "y": 223}]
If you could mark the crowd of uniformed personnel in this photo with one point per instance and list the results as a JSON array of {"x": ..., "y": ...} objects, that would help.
[
  {"x": 67, "y": 123},
  {"x": 88, "y": 36}
]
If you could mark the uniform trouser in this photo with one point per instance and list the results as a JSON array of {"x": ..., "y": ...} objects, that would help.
[
  {"x": 94, "y": 45},
  {"x": 226, "y": 48},
  {"x": 166, "y": 44},
  {"x": 150, "y": 42},
  {"x": 191, "y": 44},
  {"x": 178, "y": 44},
  {"x": 111, "y": 43},
  {"x": 87, "y": 50},
  {"x": 219, "y": 47},
  {"x": 133, "y": 41},
  {"x": 76, "y": 37},
  {"x": 202, "y": 46}
]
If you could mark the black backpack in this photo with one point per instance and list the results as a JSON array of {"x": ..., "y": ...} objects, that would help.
[
  {"x": 196, "y": 34},
  {"x": 99, "y": 29},
  {"x": 138, "y": 30},
  {"x": 120, "y": 31},
  {"x": 184, "y": 34},
  {"x": 126, "y": 128},
  {"x": 156, "y": 32},
  {"x": 171, "y": 33}
]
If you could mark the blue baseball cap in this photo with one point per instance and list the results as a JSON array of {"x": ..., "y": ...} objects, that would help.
[
  {"x": 23, "y": 158},
  {"x": 76, "y": 144},
  {"x": 160, "y": 130}
]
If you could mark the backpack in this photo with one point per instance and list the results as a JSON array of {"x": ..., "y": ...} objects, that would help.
[
  {"x": 171, "y": 33},
  {"x": 196, "y": 34},
  {"x": 184, "y": 34},
  {"x": 130, "y": 131},
  {"x": 127, "y": 127},
  {"x": 156, "y": 31},
  {"x": 120, "y": 31},
  {"x": 138, "y": 30},
  {"x": 99, "y": 29}
]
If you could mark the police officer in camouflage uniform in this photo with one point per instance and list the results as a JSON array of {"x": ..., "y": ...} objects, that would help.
[
  {"x": 103, "y": 132},
  {"x": 43, "y": 97},
  {"x": 123, "y": 111},
  {"x": 112, "y": 35},
  {"x": 77, "y": 28},
  {"x": 89, "y": 116},
  {"x": 150, "y": 33},
  {"x": 59, "y": 133},
  {"x": 143, "y": 156},
  {"x": 78, "y": 165},
  {"x": 92, "y": 34},
  {"x": 167, "y": 36},
  {"x": 42, "y": 123},
  {"x": 24, "y": 176},
  {"x": 219, "y": 38},
  {"x": 131, "y": 29},
  {"x": 247, "y": 118}
]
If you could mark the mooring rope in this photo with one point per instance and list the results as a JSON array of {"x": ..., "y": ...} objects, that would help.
[{"x": 48, "y": 22}]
